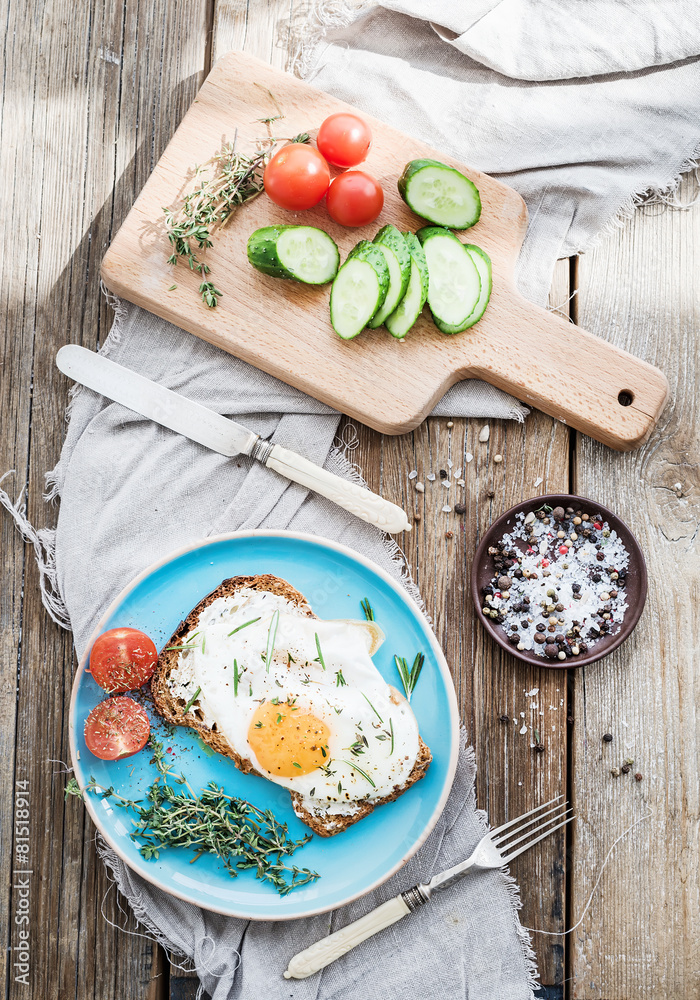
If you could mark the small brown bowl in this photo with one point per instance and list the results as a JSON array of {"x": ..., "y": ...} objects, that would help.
[{"x": 635, "y": 584}]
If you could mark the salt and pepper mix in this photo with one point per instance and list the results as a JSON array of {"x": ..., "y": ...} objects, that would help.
[{"x": 559, "y": 582}]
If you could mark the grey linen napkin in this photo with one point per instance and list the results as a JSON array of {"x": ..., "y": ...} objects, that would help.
[{"x": 578, "y": 107}]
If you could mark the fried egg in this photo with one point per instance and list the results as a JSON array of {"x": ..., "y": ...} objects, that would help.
[{"x": 300, "y": 698}]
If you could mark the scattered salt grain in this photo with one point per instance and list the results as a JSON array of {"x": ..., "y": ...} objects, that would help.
[
  {"x": 484, "y": 433},
  {"x": 458, "y": 472},
  {"x": 460, "y": 482},
  {"x": 450, "y": 463},
  {"x": 529, "y": 518},
  {"x": 420, "y": 488},
  {"x": 446, "y": 483},
  {"x": 531, "y": 694},
  {"x": 523, "y": 730},
  {"x": 413, "y": 474},
  {"x": 678, "y": 486},
  {"x": 522, "y": 715},
  {"x": 431, "y": 477},
  {"x": 446, "y": 509},
  {"x": 469, "y": 456},
  {"x": 539, "y": 481}
]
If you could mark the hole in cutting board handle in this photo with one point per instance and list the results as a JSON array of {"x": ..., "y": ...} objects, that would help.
[{"x": 625, "y": 398}]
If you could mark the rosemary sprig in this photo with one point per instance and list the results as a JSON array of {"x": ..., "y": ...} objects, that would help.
[
  {"x": 367, "y": 608},
  {"x": 241, "y": 835},
  {"x": 320, "y": 654},
  {"x": 226, "y": 181},
  {"x": 236, "y": 677},
  {"x": 409, "y": 678},
  {"x": 244, "y": 625},
  {"x": 391, "y": 729},
  {"x": 192, "y": 700},
  {"x": 339, "y": 679},
  {"x": 271, "y": 636},
  {"x": 371, "y": 706},
  {"x": 360, "y": 771}
]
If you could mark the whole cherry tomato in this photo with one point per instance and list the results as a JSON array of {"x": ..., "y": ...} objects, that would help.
[
  {"x": 122, "y": 659},
  {"x": 116, "y": 728},
  {"x": 344, "y": 139},
  {"x": 297, "y": 177},
  {"x": 354, "y": 198}
]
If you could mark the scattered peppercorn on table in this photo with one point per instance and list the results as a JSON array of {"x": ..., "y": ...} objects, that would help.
[{"x": 617, "y": 737}]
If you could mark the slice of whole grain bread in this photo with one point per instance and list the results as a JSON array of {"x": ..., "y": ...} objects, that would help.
[{"x": 173, "y": 709}]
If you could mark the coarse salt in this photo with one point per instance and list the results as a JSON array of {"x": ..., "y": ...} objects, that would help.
[
  {"x": 484, "y": 433},
  {"x": 431, "y": 477},
  {"x": 458, "y": 472},
  {"x": 469, "y": 456},
  {"x": 420, "y": 488},
  {"x": 539, "y": 481},
  {"x": 413, "y": 474},
  {"x": 523, "y": 730},
  {"x": 446, "y": 509}
]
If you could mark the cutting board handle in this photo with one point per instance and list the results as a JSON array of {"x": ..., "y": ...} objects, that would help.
[{"x": 574, "y": 376}]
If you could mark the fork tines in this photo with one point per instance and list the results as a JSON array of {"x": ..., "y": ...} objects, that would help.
[{"x": 547, "y": 820}]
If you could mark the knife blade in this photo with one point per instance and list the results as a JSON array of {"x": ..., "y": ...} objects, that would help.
[{"x": 211, "y": 429}]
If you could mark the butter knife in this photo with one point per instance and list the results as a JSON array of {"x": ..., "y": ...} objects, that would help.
[{"x": 221, "y": 434}]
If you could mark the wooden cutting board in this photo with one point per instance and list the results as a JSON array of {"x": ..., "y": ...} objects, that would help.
[{"x": 283, "y": 327}]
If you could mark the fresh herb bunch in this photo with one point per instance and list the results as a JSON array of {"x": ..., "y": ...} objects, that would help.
[
  {"x": 409, "y": 677},
  {"x": 228, "y": 180},
  {"x": 241, "y": 835}
]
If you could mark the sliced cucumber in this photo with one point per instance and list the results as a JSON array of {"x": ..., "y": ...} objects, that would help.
[
  {"x": 440, "y": 194},
  {"x": 454, "y": 286},
  {"x": 483, "y": 266},
  {"x": 359, "y": 289},
  {"x": 301, "y": 253},
  {"x": 392, "y": 244},
  {"x": 411, "y": 305}
]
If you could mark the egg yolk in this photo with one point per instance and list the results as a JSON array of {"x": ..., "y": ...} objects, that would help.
[{"x": 288, "y": 741}]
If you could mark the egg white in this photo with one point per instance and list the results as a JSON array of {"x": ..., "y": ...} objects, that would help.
[{"x": 364, "y": 711}]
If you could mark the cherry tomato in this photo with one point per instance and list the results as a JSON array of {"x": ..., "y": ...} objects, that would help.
[
  {"x": 354, "y": 198},
  {"x": 122, "y": 659},
  {"x": 116, "y": 728},
  {"x": 344, "y": 139},
  {"x": 297, "y": 177}
]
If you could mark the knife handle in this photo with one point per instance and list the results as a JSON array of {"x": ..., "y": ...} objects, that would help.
[
  {"x": 330, "y": 948},
  {"x": 358, "y": 500}
]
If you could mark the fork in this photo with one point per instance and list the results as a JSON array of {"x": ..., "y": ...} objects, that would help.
[{"x": 496, "y": 849}]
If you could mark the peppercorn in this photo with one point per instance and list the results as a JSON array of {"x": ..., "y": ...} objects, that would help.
[
  {"x": 607, "y": 738},
  {"x": 625, "y": 769},
  {"x": 504, "y": 583},
  {"x": 551, "y": 651},
  {"x": 490, "y": 494},
  {"x": 460, "y": 508},
  {"x": 514, "y": 639},
  {"x": 638, "y": 776},
  {"x": 504, "y": 718},
  {"x": 540, "y": 626},
  {"x": 539, "y": 638},
  {"x": 615, "y": 771},
  {"x": 443, "y": 474},
  {"x": 524, "y": 623},
  {"x": 558, "y": 513},
  {"x": 539, "y": 747},
  {"x": 416, "y": 516}
]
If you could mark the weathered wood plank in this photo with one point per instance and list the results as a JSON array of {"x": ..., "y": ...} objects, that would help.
[
  {"x": 640, "y": 937},
  {"x": 92, "y": 93},
  {"x": 511, "y": 776}
]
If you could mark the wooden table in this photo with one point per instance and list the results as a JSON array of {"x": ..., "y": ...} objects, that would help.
[{"x": 92, "y": 93}]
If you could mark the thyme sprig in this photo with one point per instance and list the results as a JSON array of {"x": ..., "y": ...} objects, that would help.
[
  {"x": 241, "y": 835},
  {"x": 229, "y": 179},
  {"x": 409, "y": 677}
]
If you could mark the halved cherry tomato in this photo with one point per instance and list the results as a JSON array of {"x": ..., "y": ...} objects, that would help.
[
  {"x": 116, "y": 728},
  {"x": 354, "y": 198},
  {"x": 122, "y": 659},
  {"x": 297, "y": 177},
  {"x": 344, "y": 139}
]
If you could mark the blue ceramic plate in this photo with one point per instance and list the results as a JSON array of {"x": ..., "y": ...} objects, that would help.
[{"x": 334, "y": 580}]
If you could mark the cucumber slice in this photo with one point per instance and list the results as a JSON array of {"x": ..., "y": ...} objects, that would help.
[
  {"x": 440, "y": 194},
  {"x": 301, "y": 253},
  {"x": 454, "y": 286},
  {"x": 359, "y": 289},
  {"x": 392, "y": 244},
  {"x": 483, "y": 266},
  {"x": 411, "y": 305}
]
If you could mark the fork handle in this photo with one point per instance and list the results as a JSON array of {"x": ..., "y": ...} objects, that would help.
[{"x": 328, "y": 949}]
